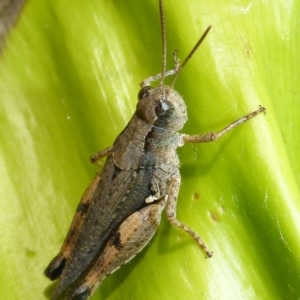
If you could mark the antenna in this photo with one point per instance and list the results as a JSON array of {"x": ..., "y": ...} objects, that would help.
[
  {"x": 177, "y": 67},
  {"x": 189, "y": 56},
  {"x": 164, "y": 44}
]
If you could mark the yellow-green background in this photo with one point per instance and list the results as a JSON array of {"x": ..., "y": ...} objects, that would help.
[{"x": 69, "y": 79}]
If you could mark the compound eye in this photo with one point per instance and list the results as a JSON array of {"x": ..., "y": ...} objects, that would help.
[
  {"x": 144, "y": 92},
  {"x": 162, "y": 108}
]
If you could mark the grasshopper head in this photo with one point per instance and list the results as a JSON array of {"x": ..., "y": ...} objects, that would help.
[{"x": 162, "y": 107}]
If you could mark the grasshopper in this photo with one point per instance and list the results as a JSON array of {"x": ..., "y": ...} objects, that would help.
[{"x": 121, "y": 209}]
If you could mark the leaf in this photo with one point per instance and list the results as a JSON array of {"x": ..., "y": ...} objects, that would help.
[{"x": 69, "y": 81}]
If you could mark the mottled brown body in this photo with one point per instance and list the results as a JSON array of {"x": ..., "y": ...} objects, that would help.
[{"x": 121, "y": 209}]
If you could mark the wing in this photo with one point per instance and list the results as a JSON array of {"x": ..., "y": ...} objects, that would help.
[
  {"x": 55, "y": 267},
  {"x": 131, "y": 237},
  {"x": 118, "y": 194}
]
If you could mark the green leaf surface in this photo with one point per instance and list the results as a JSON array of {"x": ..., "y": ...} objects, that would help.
[{"x": 69, "y": 79}]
